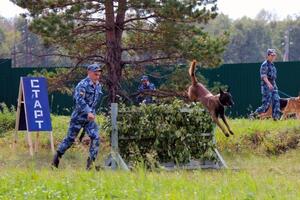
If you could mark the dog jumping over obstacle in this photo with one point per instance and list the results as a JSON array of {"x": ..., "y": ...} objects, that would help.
[
  {"x": 287, "y": 107},
  {"x": 215, "y": 104}
]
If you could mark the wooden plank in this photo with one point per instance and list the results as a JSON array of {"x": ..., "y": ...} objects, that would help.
[
  {"x": 17, "y": 116},
  {"x": 36, "y": 142},
  {"x": 192, "y": 165},
  {"x": 52, "y": 143},
  {"x": 30, "y": 143}
]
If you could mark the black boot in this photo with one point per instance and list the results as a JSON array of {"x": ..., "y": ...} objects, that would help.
[
  {"x": 89, "y": 163},
  {"x": 253, "y": 115},
  {"x": 56, "y": 158}
]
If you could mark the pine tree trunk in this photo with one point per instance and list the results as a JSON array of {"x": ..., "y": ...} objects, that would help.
[
  {"x": 114, "y": 33},
  {"x": 113, "y": 58}
]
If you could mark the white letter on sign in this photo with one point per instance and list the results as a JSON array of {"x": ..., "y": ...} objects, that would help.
[
  {"x": 39, "y": 122},
  {"x": 36, "y": 93},
  {"x": 34, "y": 85},
  {"x": 38, "y": 113},
  {"x": 37, "y": 104}
]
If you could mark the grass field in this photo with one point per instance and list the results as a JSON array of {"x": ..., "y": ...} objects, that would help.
[{"x": 263, "y": 159}]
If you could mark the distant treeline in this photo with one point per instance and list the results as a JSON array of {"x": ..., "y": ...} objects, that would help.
[{"x": 249, "y": 38}]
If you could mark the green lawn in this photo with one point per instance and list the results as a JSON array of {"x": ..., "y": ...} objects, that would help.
[{"x": 262, "y": 165}]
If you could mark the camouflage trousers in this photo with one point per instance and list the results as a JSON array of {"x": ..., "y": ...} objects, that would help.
[
  {"x": 270, "y": 98},
  {"x": 90, "y": 128}
]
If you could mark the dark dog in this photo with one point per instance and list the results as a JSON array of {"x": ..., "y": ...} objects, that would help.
[{"x": 215, "y": 104}]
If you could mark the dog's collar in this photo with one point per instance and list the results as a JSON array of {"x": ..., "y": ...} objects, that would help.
[{"x": 220, "y": 103}]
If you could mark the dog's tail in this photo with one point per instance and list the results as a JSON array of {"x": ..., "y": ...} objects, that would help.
[{"x": 192, "y": 72}]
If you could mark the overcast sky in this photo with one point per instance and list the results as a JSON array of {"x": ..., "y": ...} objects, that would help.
[
  {"x": 239, "y": 8},
  {"x": 234, "y": 8}
]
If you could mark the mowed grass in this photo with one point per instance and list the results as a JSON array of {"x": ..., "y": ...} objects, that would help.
[
  {"x": 252, "y": 173},
  {"x": 79, "y": 184}
]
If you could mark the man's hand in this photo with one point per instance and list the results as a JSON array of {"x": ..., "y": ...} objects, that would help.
[
  {"x": 271, "y": 88},
  {"x": 91, "y": 117}
]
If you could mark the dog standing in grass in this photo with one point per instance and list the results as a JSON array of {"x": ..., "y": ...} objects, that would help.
[
  {"x": 215, "y": 104},
  {"x": 287, "y": 107}
]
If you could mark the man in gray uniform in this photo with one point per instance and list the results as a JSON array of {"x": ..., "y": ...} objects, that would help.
[
  {"x": 269, "y": 89},
  {"x": 87, "y": 94}
]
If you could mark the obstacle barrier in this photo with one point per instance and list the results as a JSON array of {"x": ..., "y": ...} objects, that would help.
[{"x": 167, "y": 143}]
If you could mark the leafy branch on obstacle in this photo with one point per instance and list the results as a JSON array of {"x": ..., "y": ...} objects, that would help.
[{"x": 155, "y": 134}]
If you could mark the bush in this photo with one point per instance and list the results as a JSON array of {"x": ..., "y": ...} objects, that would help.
[
  {"x": 163, "y": 133},
  {"x": 7, "y": 118},
  {"x": 273, "y": 143}
]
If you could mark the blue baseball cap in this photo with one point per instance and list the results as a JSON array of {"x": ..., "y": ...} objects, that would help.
[
  {"x": 271, "y": 52},
  {"x": 144, "y": 78},
  {"x": 94, "y": 67}
]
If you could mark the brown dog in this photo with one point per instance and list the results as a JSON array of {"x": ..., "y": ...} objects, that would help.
[
  {"x": 287, "y": 107},
  {"x": 215, "y": 104}
]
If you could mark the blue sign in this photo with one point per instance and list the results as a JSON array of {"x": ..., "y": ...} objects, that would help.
[{"x": 36, "y": 104}]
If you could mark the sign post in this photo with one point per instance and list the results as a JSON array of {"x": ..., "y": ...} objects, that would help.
[{"x": 33, "y": 114}]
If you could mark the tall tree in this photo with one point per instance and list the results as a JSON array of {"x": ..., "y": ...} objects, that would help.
[
  {"x": 249, "y": 40},
  {"x": 291, "y": 35},
  {"x": 127, "y": 32},
  {"x": 220, "y": 24},
  {"x": 6, "y": 36},
  {"x": 30, "y": 51},
  {"x": 2, "y": 38}
]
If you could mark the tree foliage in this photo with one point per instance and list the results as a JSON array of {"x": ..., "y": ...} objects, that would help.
[
  {"x": 7, "y": 37},
  {"x": 250, "y": 38},
  {"x": 7, "y": 118},
  {"x": 119, "y": 33}
]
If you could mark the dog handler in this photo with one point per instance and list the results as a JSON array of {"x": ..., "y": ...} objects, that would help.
[
  {"x": 87, "y": 94},
  {"x": 269, "y": 90}
]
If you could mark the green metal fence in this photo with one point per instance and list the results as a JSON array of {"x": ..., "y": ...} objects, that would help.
[
  {"x": 9, "y": 87},
  {"x": 243, "y": 79}
]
